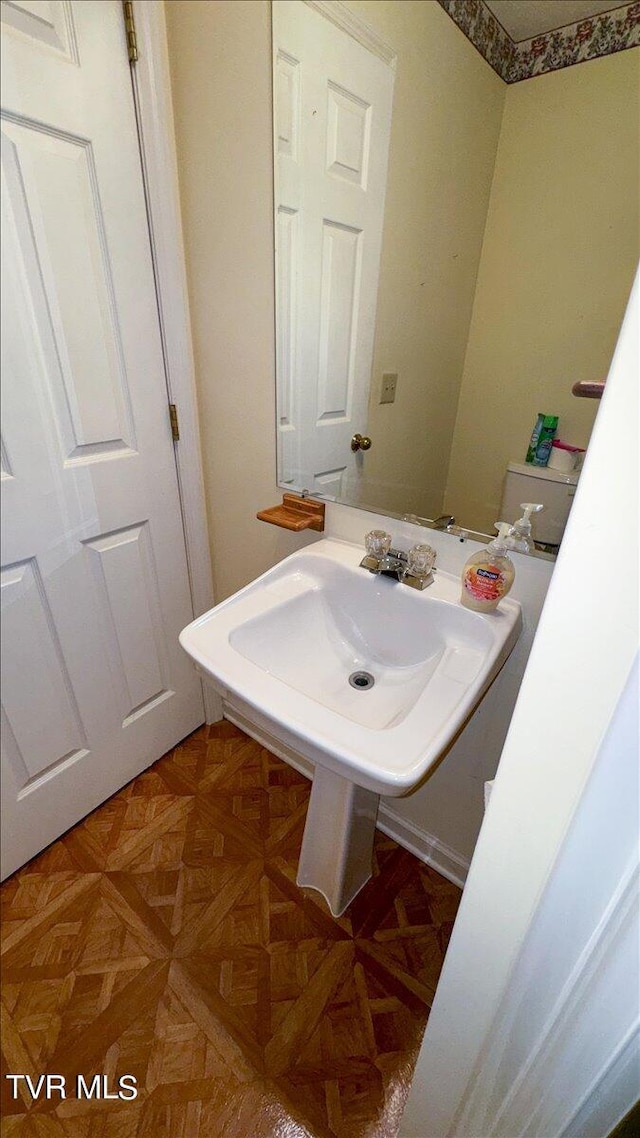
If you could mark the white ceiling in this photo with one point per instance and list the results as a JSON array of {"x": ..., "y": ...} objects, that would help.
[{"x": 523, "y": 19}]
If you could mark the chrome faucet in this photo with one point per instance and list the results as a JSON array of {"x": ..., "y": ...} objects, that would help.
[
  {"x": 414, "y": 568},
  {"x": 444, "y": 521},
  {"x": 390, "y": 564}
]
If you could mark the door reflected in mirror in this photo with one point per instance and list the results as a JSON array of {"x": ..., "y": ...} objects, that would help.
[{"x": 453, "y": 253}]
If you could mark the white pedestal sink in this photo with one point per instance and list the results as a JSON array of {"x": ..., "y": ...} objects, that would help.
[
  {"x": 337, "y": 846},
  {"x": 285, "y": 647}
]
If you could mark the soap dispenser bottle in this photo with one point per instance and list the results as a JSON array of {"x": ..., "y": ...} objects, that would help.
[
  {"x": 488, "y": 575},
  {"x": 520, "y": 537}
]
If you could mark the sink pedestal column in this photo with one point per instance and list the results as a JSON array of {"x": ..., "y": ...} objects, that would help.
[{"x": 337, "y": 846}]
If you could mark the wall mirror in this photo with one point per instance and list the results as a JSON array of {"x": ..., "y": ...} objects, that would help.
[{"x": 453, "y": 252}]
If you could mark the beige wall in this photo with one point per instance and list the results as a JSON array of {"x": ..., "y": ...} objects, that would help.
[
  {"x": 447, "y": 109},
  {"x": 220, "y": 57},
  {"x": 221, "y": 74},
  {"x": 559, "y": 255}
]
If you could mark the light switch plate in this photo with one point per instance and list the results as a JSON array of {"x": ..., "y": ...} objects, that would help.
[{"x": 388, "y": 389}]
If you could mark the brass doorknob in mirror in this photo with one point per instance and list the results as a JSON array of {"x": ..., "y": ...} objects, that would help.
[{"x": 360, "y": 442}]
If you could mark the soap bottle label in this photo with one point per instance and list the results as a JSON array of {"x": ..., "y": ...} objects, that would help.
[{"x": 485, "y": 582}]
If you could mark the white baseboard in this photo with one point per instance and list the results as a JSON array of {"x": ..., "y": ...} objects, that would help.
[
  {"x": 262, "y": 736},
  {"x": 427, "y": 847}
]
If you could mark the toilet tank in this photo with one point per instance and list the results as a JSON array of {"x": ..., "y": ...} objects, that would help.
[{"x": 555, "y": 489}]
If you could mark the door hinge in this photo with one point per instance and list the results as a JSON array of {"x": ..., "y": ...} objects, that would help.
[
  {"x": 173, "y": 419},
  {"x": 130, "y": 29}
]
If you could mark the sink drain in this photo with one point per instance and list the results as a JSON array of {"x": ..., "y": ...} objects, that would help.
[{"x": 361, "y": 680}]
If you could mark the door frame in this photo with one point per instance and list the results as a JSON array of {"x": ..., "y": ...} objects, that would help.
[
  {"x": 151, "y": 83},
  {"x": 339, "y": 14}
]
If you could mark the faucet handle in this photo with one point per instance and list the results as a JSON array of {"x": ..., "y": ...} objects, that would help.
[
  {"x": 377, "y": 543},
  {"x": 420, "y": 560}
]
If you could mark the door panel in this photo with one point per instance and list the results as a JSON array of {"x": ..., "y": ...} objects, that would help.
[
  {"x": 341, "y": 268},
  {"x": 39, "y": 702},
  {"x": 47, "y": 22},
  {"x": 94, "y": 576}
]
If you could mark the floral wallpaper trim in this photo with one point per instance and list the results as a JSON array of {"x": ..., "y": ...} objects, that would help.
[
  {"x": 481, "y": 27},
  {"x": 575, "y": 43}
]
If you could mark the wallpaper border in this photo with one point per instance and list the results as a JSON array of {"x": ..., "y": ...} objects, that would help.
[{"x": 605, "y": 34}]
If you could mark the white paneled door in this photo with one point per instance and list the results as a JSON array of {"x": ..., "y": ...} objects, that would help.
[
  {"x": 333, "y": 99},
  {"x": 94, "y": 574}
]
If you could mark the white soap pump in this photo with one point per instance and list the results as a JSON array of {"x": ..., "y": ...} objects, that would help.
[{"x": 520, "y": 536}]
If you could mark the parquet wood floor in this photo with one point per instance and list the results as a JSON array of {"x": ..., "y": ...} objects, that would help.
[{"x": 164, "y": 937}]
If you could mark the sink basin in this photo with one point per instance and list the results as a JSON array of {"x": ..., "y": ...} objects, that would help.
[
  {"x": 364, "y": 676},
  {"x": 287, "y": 644}
]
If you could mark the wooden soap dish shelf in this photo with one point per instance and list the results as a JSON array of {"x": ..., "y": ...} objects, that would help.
[{"x": 295, "y": 513}]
